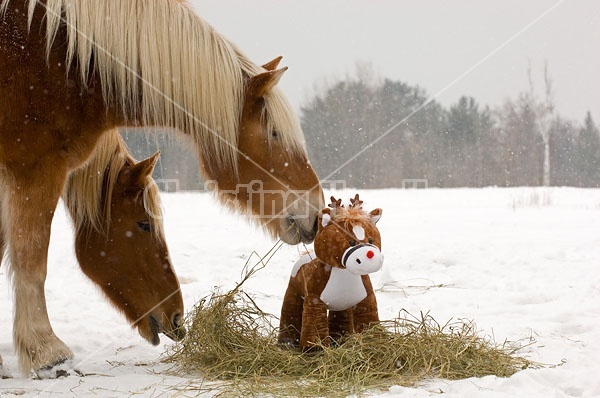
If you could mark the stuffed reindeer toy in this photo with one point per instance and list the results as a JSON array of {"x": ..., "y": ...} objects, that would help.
[{"x": 334, "y": 278}]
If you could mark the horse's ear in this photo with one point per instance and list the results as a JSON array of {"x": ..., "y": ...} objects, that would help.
[
  {"x": 141, "y": 170},
  {"x": 324, "y": 218},
  {"x": 375, "y": 215},
  {"x": 262, "y": 83},
  {"x": 272, "y": 65}
]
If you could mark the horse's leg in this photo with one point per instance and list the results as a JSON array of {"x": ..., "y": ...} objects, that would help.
[
  {"x": 28, "y": 206},
  {"x": 3, "y": 372},
  {"x": 2, "y": 241}
]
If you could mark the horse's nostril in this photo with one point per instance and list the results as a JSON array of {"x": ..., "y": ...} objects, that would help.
[
  {"x": 180, "y": 333},
  {"x": 177, "y": 320}
]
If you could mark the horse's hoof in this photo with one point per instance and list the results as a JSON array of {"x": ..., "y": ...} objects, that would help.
[
  {"x": 59, "y": 369},
  {"x": 4, "y": 373}
]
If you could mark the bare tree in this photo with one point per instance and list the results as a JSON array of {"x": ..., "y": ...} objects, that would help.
[{"x": 544, "y": 112}]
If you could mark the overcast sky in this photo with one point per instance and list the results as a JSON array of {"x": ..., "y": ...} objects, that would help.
[{"x": 427, "y": 43}]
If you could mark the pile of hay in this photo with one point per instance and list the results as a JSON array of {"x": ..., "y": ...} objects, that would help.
[{"x": 232, "y": 341}]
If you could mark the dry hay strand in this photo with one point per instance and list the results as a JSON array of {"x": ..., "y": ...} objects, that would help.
[{"x": 232, "y": 341}]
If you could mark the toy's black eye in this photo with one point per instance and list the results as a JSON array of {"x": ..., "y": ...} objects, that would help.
[
  {"x": 144, "y": 226},
  {"x": 352, "y": 243},
  {"x": 371, "y": 240}
]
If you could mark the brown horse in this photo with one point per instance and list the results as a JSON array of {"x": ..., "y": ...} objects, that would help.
[
  {"x": 71, "y": 70},
  {"x": 119, "y": 239},
  {"x": 120, "y": 247}
]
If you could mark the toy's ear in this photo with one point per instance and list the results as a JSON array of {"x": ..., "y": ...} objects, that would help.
[
  {"x": 375, "y": 215},
  {"x": 324, "y": 218}
]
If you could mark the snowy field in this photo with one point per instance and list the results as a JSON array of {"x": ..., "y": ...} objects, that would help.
[{"x": 521, "y": 263}]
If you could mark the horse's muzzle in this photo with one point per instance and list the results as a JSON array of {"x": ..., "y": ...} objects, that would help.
[
  {"x": 298, "y": 230},
  {"x": 175, "y": 331}
]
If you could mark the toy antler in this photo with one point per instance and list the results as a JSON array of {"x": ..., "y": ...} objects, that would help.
[
  {"x": 335, "y": 205},
  {"x": 356, "y": 202}
]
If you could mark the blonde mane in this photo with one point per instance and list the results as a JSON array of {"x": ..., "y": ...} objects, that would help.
[
  {"x": 88, "y": 191},
  {"x": 165, "y": 66}
]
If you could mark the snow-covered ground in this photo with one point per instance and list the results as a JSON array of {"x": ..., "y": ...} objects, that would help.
[{"x": 521, "y": 263}]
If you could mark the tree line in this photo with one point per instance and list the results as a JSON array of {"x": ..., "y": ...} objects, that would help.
[
  {"x": 390, "y": 132},
  {"x": 376, "y": 134}
]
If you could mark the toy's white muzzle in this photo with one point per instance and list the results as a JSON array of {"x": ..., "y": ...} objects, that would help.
[{"x": 362, "y": 259}]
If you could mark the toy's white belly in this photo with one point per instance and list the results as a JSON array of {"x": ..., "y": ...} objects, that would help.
[{"x": 343, "y": 290}]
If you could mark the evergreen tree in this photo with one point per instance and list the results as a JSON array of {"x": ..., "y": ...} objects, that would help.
[
  {"x": 352, "y": 115},
  {"x": 467, "y": 133},
  {"x": 563, "y": 144},
  {"x": 588, "y": 153},
  {"x": 336, "y": 126}
]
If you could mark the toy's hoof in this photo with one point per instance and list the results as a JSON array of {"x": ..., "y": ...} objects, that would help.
[
  {"x": 311, "y": 349},
  {"x": 287, "y": 343},
  {"x": 335, "y": 342}
]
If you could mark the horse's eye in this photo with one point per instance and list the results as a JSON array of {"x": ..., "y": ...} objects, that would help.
[
  {"x": 274, "y": 134},
  {"x": 352, "y": 243},
  {"x": 144, "y": 226},
  {"x": 371, "y": 240}
]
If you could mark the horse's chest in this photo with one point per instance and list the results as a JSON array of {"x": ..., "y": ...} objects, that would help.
[{"x": 343, "y": 290}]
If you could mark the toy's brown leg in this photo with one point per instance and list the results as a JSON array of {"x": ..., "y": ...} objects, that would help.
[
  {"x": 365, "y": 312},
  {"x": 340, "y": 324},
  {"x": 314, "y": 323},
  {"x": 290, "y": 322}
]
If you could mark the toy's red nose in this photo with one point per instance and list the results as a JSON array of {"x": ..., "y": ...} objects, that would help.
[{"x": 370, "y": 254}]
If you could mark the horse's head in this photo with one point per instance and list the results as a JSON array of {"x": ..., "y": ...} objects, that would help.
[
  {"x": 130, "y": 260},
  {"x": 348, "y": 237},
  {"x": 275, "y": 181}
]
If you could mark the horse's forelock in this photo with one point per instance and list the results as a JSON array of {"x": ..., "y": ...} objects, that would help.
[
  {"x": 88, "y": 191},
  {"x": 280, "y": 116},
  {"x": 153, "y": 206}
]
